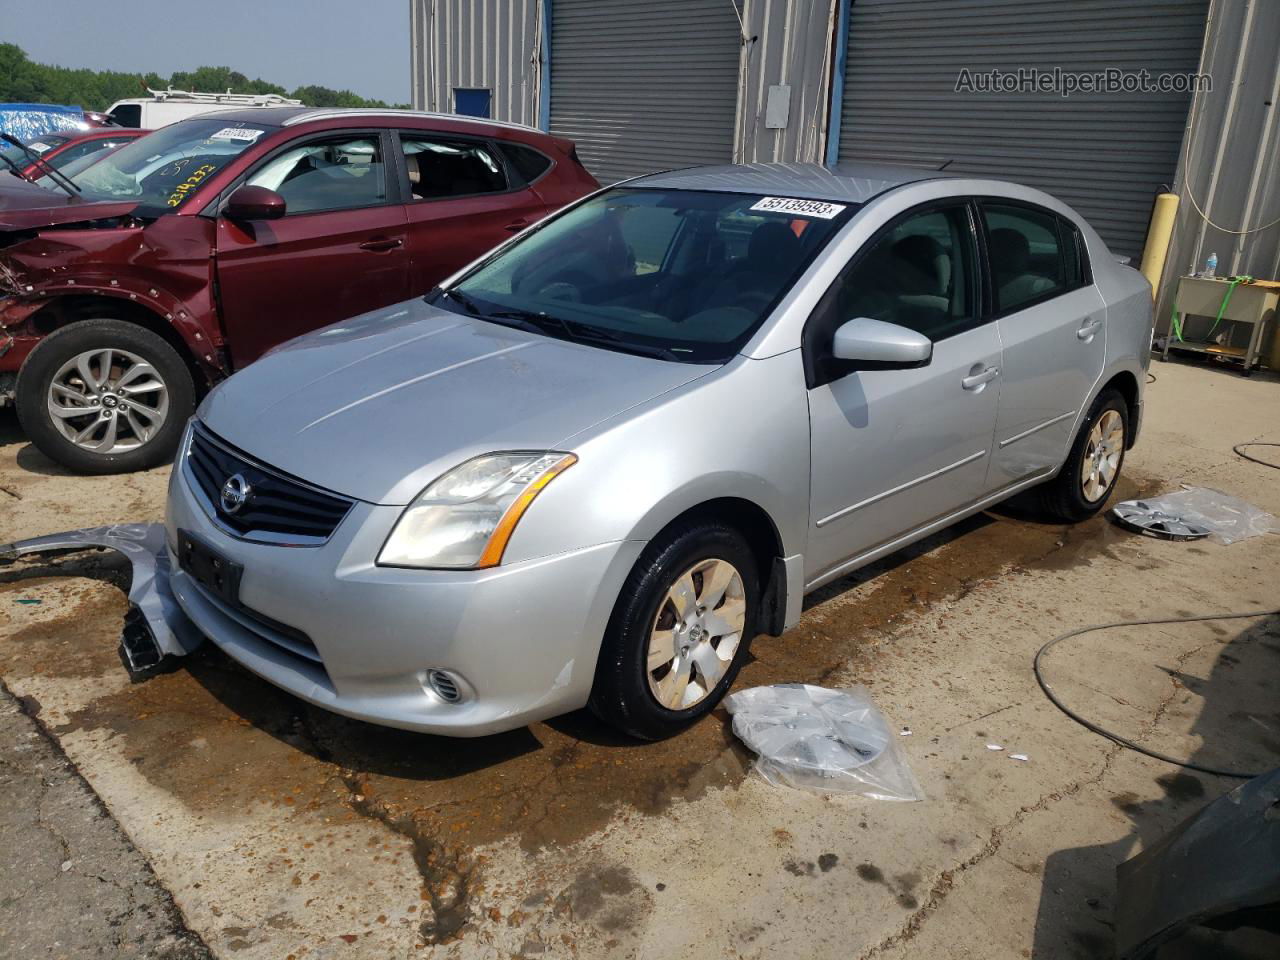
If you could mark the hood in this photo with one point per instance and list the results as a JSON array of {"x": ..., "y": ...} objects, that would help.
[
  {"x": 24, "y": 206},
  {"x": 379, "y": 406}
]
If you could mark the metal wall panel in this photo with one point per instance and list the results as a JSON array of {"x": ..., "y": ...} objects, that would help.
[
  {"x": 789, "y": 42},
  {"x": 1106, "y": 155},
  {"x": 644, "y": 86},
  {"x": 476, "y": 43},
  {"x": 1231, "y": 159}
]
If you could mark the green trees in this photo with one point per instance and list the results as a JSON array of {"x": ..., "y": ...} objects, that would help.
[{"x": 23, "y": 81}]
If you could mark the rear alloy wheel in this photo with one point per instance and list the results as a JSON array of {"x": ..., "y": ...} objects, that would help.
[
  {"x": 1103, "y": 452},
  {"x": 105, "y": 396},
  {"x": 679, "y": 632},
  {"x": 1093, "y": 466}
]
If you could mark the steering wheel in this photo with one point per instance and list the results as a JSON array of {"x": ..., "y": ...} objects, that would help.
[
  {"x": 568, "y": 286},
  {"x": 561, "y": 290}
]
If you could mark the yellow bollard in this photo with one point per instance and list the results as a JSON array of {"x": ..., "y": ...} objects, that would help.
[{"x": 1159, "y": 233}]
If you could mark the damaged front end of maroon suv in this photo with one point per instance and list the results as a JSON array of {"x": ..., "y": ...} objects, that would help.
[{"x": 132, "y": 286}]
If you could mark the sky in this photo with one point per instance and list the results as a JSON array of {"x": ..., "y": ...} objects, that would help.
[{"x": 358, "y": 45}]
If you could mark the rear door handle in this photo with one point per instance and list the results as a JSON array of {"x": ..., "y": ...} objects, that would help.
[
  {"x": 381, "y": 244},
  {"x": 1088, "y": 329},
  {"x": 976, "y": 380},
  {"x": 515, "y": 226}
]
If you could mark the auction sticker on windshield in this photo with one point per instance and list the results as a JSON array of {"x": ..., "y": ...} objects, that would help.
[
  {"x": 798, "y": 208},
  {"x": 236, "y": 133}
]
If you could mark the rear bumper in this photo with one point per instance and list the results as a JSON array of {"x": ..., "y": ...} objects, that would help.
[{"x": 329, "y": 626}]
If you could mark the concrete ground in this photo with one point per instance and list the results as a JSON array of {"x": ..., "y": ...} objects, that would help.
[{"x": 282, "y": 831}]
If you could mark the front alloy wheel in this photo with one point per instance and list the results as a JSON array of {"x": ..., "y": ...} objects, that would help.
[
  {"x": 696, "y": 634},
  {"x": 107, "y": 401},
  {"x": 680, "y": 630},
  {"x": 105, "y": 396}
]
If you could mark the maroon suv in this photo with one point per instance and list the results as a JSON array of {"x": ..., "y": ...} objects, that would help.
[{"x": 183, "y": 256}]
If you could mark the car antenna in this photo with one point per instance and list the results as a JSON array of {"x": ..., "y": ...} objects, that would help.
[
  {"x": 51, "y": 172},
  {"x": 946, "y": 163}
]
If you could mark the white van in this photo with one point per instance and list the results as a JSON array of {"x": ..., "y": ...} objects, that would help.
[{"x": 169, "y": 106}]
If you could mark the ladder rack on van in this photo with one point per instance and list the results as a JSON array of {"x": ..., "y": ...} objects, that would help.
[{"x": 229, "y": 98}]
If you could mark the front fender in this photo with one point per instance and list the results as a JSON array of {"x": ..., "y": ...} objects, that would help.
[
  {"x": 163, "y": 268},
  {"x": 740, "y": 432}
]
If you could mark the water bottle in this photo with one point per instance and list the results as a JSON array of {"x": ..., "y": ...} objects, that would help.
[{"x": 1211, "y": 266}]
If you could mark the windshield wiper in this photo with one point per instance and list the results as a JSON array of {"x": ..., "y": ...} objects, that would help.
[
  {"x": 464, "y": 301},
  {"x": 585, "y": 333},
  {"x": 53, "y": 174},
  {"x": 533, "y": 321},
  {"x": 14, "y": 168}
]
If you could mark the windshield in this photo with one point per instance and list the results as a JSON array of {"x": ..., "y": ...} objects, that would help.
[
  {"x": 164, "y": 170},
  {"x": 76, "y": 166},
  {"x": 687, "y": 275}
]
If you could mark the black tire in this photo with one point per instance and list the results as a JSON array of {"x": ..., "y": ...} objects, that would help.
[
  {"x": 1063, "y": 497},
  {"x": 621, "y": 695},
  {"x": 64, "y": 345}
]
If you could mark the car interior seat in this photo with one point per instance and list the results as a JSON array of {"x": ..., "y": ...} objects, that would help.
[
  {"x": 1011, "y": 269},
  {"x": 773, "y": 253}
]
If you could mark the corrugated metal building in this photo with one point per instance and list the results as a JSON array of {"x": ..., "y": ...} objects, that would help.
[
  {"x": 664, "y": 83},
  {"x": 1229, "y": 167}
]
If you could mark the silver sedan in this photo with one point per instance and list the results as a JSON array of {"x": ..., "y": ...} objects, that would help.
[{"x": 593, "y": 465}]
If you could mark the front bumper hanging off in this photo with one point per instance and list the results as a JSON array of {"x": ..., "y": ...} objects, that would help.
[{"x": 155, "y": 625}]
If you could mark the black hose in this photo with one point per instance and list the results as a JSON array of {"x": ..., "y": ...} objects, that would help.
[
  {"x": 1115, "y": 737},
  {"x": 1256, "y": 443}
]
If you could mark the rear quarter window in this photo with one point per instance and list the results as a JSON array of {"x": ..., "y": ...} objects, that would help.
[{"x": 527, "y": 162}]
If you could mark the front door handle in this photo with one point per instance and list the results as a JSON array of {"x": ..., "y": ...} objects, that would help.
[
  {"x": 1088, "y": 329},
  {"x": 975, "y": 380},
  {"x": 515, "y": 226},
  {"x": 381, "y": 244}
]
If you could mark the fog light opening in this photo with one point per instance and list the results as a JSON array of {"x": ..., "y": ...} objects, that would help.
[{"x": 444, "y": 686}]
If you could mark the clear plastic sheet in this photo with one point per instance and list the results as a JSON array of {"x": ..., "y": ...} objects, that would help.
[
  {"x": 1227, "y": 518},
  {"x": 26, "y": 121},
  {"x": 828, "y": 741}
]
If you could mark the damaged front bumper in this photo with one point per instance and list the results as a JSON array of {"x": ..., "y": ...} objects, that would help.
[
  {"x": 155, "y": 626},
  {"x": 518, "y": 641}
]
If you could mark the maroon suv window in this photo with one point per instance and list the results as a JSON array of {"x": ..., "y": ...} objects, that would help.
[
  {"x": 440, "y": 167},
  {"x": 527, "y": 162}
]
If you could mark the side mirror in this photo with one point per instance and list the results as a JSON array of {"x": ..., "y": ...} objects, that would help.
[
  {"x": 876, "y": 345},
  {"x": 254, "y": 203}
]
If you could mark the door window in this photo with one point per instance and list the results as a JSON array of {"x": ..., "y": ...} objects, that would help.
[
  {"x": 919, "y": 274},
  {"x": 441, "y": 167},
  {"x": 1027, "y": 262},
  {"x": 335, "y": 174}
]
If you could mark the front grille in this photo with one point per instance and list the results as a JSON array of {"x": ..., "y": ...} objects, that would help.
[{"x": 277, "y": 509}]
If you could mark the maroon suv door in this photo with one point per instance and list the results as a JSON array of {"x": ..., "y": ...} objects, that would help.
[
  {"x": 462, "y": 200},
  {"x": 339, "y": 250}
]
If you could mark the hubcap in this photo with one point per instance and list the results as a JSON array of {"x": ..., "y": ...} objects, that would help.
[
  {"x": 108, "y": 401},
  {"x": 696, "y": 633},
  {"x": 1102, "y": 455}
]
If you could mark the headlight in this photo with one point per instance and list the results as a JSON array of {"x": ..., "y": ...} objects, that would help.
[{"x": 465, "y": 518}]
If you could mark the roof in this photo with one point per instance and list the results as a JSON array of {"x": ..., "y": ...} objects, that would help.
[
  {"x": 849, "y": 183},
  {"x": 296, "y": 116}
]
